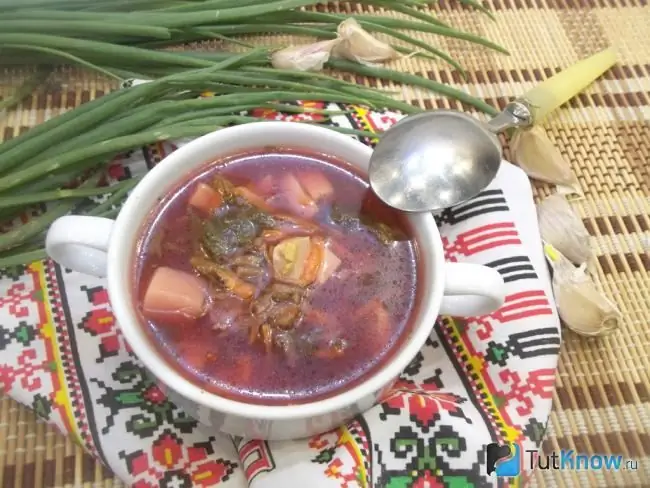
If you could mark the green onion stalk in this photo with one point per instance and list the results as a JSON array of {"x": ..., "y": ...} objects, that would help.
[
  {"x": 123, "y": 39},
  {"x": 36, "y": 165},
  {"x": 119, "y": 38}
]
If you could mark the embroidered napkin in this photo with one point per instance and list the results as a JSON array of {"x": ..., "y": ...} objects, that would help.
[{"x": 477, "y": 381}]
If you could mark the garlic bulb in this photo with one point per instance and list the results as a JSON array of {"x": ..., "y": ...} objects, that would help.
[
  {"x": 582, "y": 308},
  {"x": 359, "y": 45},
  {"x": 306, "y": 57},
  {"x": 563, "y": 229},
  {"x": 534, "y": 152}
]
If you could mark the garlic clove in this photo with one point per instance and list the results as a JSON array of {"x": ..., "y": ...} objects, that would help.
[
  {"x": 581, "y": 306},
  {"x": 573, "y": 194},
  {"x": 359, "y": 45},
  {"x": 536, "y": 154},
  {"x": 563, "y": 229},
  {"x": 305, "y": 57}
]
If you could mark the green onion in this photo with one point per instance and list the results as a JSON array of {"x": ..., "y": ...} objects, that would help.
[
  {"x": 171, "y": 20},
  {"x": 410, "y": 79},
  {"x": 318, "y": 30},
  {"x": 22, "y": 258},
  {"x": 116, "y": 198},
  {"x": 230, "y": 62},
  {"x": 415, "y": 42},
  {"x": 44, "y": 3},
  {"x": 48, "y": 182},
  {"x": 132, "y": 121},
  {"x": 110, "y": 214},
  {"x": 203, "y": 34},
  {"x": 81, "y": 47},
  {"x": 398, "y": 7},
  {"x": 478, "y": 6},
  {"x": 224, "y": 76},
  {"x": 49, "y": 196},
  {"x": 300, "y": 74},
  {"x": 118, "y": 38},
  {"x": 14, "y": 156},
  {"x": 38, "y": 224},
  {"x": 72, "y": 27},
  {"x": 128, "y": 5},
  {"x": 208, "y": 5},
  {"x": 62, "y": 54},
  {"x": 111, "y": 146},
  {"x": 279, "y": 107},
  {"x": 50, "y": 124},
  {"x": 397, "y": 23}
]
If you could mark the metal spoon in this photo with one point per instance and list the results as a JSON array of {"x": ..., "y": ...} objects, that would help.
[{"x": 438, "y": 159}]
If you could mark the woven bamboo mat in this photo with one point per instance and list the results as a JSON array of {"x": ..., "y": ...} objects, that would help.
[{"x": 602, "y": 400}]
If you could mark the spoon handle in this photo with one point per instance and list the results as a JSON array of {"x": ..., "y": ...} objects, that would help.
[
  {"x": 550, "y": 94},
  {"x": 560, "y": 88},
  {"x": 537, "y": 103},
  {"x": 516, "y": 114}
]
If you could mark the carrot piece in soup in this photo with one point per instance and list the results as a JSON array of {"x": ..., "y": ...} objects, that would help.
[
  {"x": 254, "y": 199},
  {"x": 235, "y": 284},
  {"x": 313, "y": 262},
  {"x": 328, "y": 353},
  {"x": 302, "y": 260},
  {"x": 316, "y": 184},
  {"x": 267, "y": 337},
  {"x": 253, "y": 332},
  {"x": 174, "y": 294},
  {"x": 229, "y": 280},
  {"x": 205, "y": 198},
  {"x": 273, "y": 236}
]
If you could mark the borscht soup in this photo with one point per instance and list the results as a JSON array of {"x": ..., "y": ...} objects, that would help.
[{"x": 275, "y": 277}]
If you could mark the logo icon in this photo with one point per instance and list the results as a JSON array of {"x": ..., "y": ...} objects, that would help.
[{"x": 504, "y": 459}]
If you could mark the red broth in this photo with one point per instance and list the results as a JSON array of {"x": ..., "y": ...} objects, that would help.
[{"x": 346, "y": 326}]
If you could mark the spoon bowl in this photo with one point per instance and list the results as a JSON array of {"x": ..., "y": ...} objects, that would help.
[{"x": 434, "y": 160}]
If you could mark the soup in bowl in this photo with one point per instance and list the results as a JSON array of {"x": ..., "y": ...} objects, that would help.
[
  {"x": 259, "y": 279},
  {"x": 275, "y": 276}
]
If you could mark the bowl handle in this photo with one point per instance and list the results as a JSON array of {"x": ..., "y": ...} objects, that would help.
[
  {"x": 80, "y": 243},
  {"x": 471, "y": 289}
]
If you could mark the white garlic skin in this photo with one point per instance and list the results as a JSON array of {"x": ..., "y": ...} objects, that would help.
[
  {"x": 581, "y": 306},
  {"x": 561, "y": 227},
  {"x": 359, "y": 45},
  {"x": 305, "y": 57},
  {"x": 536, "y": 154}
]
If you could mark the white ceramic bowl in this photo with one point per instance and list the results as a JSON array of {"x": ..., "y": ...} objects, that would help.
[{"x": 104, "y": 247}]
